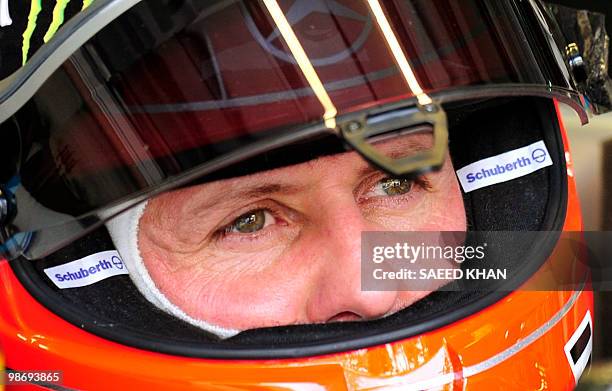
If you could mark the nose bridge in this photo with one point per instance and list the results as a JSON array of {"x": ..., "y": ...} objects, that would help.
[
  {"x": 338, "y": 219},
  {"x": 338, "y": 287}
]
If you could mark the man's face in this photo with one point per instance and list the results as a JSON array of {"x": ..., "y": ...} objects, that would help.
[{"x": 283, "y": 246}]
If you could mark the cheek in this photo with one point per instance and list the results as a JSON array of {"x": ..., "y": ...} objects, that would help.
[
  {"x": 246, "y": 299},
  {"x": 234, "y": 291},
  {"x": 446, "y": 212}
]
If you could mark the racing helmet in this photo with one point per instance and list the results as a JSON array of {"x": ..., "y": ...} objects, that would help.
[{"x": 129, "y": 101}]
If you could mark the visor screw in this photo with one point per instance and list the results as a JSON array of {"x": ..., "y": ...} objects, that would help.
[
  {"x": 353, "y": 126},
  {"x": 430, "y": 108}
]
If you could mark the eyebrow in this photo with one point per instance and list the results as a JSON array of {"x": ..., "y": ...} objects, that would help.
[
  {"x": 248, "y": 193},
  {"x": 266, "y": 189}
]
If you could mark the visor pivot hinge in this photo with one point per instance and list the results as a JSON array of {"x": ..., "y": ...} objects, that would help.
[
  {"x": 576, "y": 62},
  {"x": 362, "y": 133}
]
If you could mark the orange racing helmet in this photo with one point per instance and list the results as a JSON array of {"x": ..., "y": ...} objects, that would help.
[{"x": 132, "y": 99}]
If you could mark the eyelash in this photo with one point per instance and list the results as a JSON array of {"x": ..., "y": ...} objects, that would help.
[
  {"x": 423, "y": 183},
  {"x": 226, "y": 230}
]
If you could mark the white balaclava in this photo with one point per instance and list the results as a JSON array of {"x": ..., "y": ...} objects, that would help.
[{"x": 123, "y": 230}]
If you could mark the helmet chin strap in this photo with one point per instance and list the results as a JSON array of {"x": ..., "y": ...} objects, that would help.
[{"x": 123, "y": 230}]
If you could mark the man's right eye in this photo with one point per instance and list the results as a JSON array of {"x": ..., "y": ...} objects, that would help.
[{"x": 251, "y": 221}]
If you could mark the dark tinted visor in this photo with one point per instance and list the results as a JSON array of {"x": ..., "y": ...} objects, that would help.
[{"x": 165, "y": 95}]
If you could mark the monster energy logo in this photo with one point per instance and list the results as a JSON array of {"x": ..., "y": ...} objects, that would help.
[{"x": 56, "y": 22}]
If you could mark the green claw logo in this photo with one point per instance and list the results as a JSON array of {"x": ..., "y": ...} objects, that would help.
[{"x": 56, "y": 22}]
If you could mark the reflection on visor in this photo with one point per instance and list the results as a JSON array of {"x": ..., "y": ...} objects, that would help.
[{"x": 160, "y": 98}]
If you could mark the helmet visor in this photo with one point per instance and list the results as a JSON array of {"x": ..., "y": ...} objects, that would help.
[{"x": 162, "y": 97}]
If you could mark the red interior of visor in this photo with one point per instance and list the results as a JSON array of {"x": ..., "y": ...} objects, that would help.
[{"x": 230, "y": 75}]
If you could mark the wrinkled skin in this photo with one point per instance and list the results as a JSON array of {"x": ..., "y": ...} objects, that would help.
[{"x": 303, "y": 264}]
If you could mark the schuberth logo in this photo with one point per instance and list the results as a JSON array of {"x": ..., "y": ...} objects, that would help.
[
  {"x": 88, "y": 270},
  {"x": 318, "y": 32},
  {"x": 504, "y": 167}
]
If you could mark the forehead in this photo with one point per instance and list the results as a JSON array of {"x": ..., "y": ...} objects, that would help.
[{"x": 291, "y": 178}]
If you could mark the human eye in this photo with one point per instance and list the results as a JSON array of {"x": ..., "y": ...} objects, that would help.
[
  {"x": 250, "y": 222},
  {"x": 391, "y": 187}
]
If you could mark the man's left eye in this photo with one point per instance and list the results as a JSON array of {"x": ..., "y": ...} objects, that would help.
[
  {"x": 392, "y": 187},
  {"x": 252, "y": 221}
]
